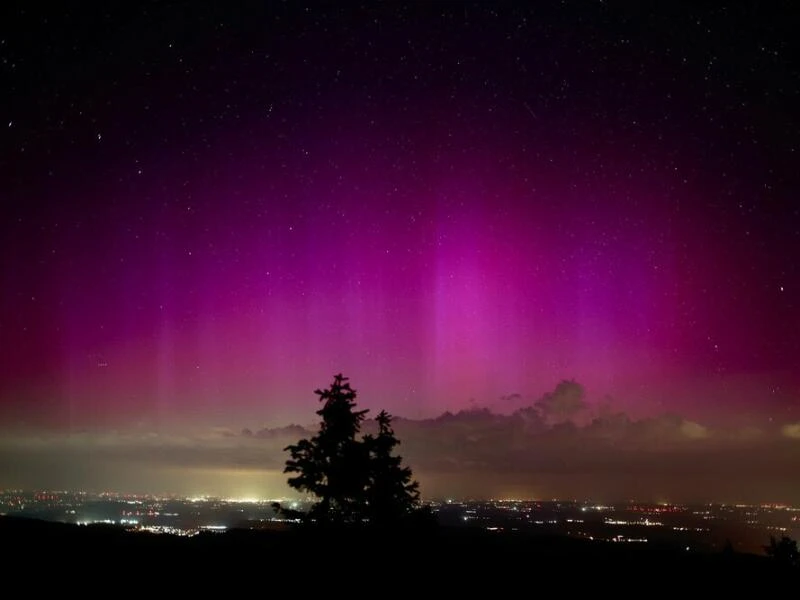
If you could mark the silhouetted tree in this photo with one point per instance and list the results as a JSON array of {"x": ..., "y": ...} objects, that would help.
[
  {"x": 784, "y": 550},
  {"x": 333, "y": 465},
  {"x": 392, "y": 494},
  {"x": 356, "y": 480}
]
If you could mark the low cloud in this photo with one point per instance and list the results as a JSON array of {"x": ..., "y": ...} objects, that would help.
[
  {"x": 537, "y": 451},
  {"x": 791, "y": 430},
  {"x": 563, "y": 403}
]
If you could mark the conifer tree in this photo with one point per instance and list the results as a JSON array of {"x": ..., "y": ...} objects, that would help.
[
  {"x": 356, "y": 480},
  {"x": 333, "y": 464},
  {"x": 392, "y": 493}
]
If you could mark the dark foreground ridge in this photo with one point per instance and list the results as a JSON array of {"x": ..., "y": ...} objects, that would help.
[{"x": 83, "y": 558}]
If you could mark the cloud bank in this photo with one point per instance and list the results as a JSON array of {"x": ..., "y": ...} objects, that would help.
[{"x": 547, "y": 449}]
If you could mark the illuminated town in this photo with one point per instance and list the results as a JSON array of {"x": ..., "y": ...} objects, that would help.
[{"x": 710, "y": 527}]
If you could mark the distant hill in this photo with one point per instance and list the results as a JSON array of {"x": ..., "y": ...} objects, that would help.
[{"x": 459, "y": 559}]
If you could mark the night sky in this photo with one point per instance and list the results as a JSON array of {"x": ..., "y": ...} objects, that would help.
[{"x": 207, "y": 212}]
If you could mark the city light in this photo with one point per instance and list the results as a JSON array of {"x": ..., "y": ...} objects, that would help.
[{"x": 702, "y": 526}]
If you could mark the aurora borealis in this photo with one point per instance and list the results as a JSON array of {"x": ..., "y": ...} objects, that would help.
[{"x": 207, "y": 212}]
